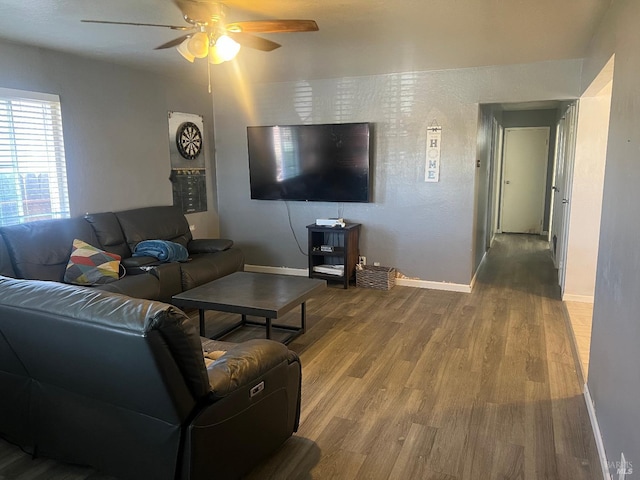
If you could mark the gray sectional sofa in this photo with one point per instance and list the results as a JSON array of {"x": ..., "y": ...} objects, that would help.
[
  {"x": 41, "y": 251},
  {"x": 124, "y": 383}
]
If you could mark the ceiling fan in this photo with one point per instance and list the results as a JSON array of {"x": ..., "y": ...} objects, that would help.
[{"x": 209, "y": 36}]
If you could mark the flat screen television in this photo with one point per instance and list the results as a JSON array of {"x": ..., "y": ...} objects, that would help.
[{"x": 318, "y": 163}]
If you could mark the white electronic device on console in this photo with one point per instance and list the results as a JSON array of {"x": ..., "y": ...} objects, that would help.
[{"x": 330, "y": 222}]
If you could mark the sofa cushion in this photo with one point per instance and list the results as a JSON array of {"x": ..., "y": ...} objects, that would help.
[
  {"x": 41, "y": 250},
  {"x": 109, "y": 233},
  {"x": 154, "y": 223},
  {"x": 88, "y": 265}
]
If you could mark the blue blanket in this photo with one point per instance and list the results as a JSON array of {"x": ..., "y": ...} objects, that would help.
[{"x": 163, "y": 250}]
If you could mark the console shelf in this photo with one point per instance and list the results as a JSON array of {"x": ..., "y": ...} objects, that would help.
[{"x": 344, "y": 241}]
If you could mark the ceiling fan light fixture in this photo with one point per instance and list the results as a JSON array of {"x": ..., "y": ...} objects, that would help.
[
  {"x": 208, "y": 36},
  {"x": 198, "y": 45},
  {"x": 226, "y": 48},
  {"x": 183, "y": 49},
  {"x": 214, "y": 57}
]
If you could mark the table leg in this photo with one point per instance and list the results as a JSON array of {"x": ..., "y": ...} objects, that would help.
[
  {"x": 304, "y": 317},
  {"x": 201, "y": 317},
  {"x": 268, "y": 328}
]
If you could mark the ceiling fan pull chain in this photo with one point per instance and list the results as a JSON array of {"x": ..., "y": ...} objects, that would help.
[{"x": 209, "y": 74}]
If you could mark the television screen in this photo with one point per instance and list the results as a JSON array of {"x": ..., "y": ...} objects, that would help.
[{"x": 322, "y": 163}]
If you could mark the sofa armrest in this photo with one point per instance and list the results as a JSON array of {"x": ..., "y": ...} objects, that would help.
[
  {"x": 137, "y": 265},
  {"x": 254, "y": 418},
  {"x": 170, "y": 277},
  {"x": 209, "y": 245},
  {"x": 244, "y": 363}
]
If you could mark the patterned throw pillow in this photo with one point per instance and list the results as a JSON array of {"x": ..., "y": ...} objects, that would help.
[{"x": 89, "y": 265}]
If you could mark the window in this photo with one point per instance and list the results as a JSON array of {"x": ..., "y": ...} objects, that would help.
[{"x": 33, "y": 176}]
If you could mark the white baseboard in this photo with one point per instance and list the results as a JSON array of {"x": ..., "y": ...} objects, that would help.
[
  {"x": 475, "y": 274},
  {"x": 451, "y": 287},
  {"x": 298, "y": 272},
  {"x": 596, "y": 433},
  {"x": 405, "y": 282},
  {"x": 569, "y": 297}
]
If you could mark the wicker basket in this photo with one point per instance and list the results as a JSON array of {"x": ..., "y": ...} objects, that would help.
[{"x": 381, "y": 278}]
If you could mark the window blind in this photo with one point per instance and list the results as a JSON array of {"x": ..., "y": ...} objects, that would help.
[{"x": 33, "y": 176}]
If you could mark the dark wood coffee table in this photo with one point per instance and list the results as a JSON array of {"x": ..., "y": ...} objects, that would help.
[{"x": 257, "y": 294}]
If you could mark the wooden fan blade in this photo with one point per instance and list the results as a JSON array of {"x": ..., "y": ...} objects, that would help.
[
  {"x": 251, "y": 41},
  {"x": 173, "y": 43},
  {"x": 273, "y": 26},
  {"x": 172, "y": 27}
]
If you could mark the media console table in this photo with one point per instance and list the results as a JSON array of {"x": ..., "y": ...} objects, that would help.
[{"x": 341, "y": 248}]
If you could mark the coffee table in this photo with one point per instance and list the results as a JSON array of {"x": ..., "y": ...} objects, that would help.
[{"x": 257, "y": 294}]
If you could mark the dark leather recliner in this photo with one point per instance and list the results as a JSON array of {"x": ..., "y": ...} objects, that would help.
[{"x": 120, "y": 384}]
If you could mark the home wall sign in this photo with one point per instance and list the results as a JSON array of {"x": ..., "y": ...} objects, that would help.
[
  {"x": 188, "y": 172},
  {"x": 432, "y": 161}
]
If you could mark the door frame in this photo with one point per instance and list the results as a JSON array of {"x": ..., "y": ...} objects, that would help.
[
  {"x": 494, "y": 164},
  {"x": 564, "y": 159},
  {"x": 497, "y": 181}
]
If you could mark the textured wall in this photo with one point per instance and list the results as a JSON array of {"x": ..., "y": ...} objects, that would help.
[
  {"x": 426, "y": 230},
  {"x": 614, "y": 381},
  {"x": 115, "y": 128}
]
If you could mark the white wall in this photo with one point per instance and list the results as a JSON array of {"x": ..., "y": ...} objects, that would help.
[
  {"x": 115, "y": 128},
  {"x": 586, "y": 195},
  {"x": 426, "y": 230}
]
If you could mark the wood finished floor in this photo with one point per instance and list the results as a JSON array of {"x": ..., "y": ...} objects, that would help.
[
  {"x": 580, "y": 316},
  {"x": 425, "y": 384}
]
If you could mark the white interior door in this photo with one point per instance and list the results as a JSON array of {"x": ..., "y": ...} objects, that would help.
[
  {"x": 565, "y": 153},
  {"x": 526, "y": 155}
]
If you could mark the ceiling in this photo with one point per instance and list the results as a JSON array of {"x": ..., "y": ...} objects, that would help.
[{"x": 356, "y": 37}]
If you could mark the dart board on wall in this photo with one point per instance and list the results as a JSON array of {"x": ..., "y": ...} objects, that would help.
[
  {"x": 187, "y": 154},
  {"x": 189, "y": 140}
]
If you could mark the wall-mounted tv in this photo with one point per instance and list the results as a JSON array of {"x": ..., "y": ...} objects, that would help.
[{"x": 320, "y": 163}]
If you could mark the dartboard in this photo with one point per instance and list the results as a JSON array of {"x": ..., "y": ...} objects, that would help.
[{"x": 189, "y": 140}]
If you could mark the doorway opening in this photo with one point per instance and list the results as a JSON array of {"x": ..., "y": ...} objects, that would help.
[
  {"x": 586, "y": 204},
  {"x": 493, "y": 121},
  {"x": 578, "y": 131}
]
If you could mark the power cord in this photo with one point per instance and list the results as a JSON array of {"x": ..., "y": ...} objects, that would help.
[{"x": 293, "y": 231}]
